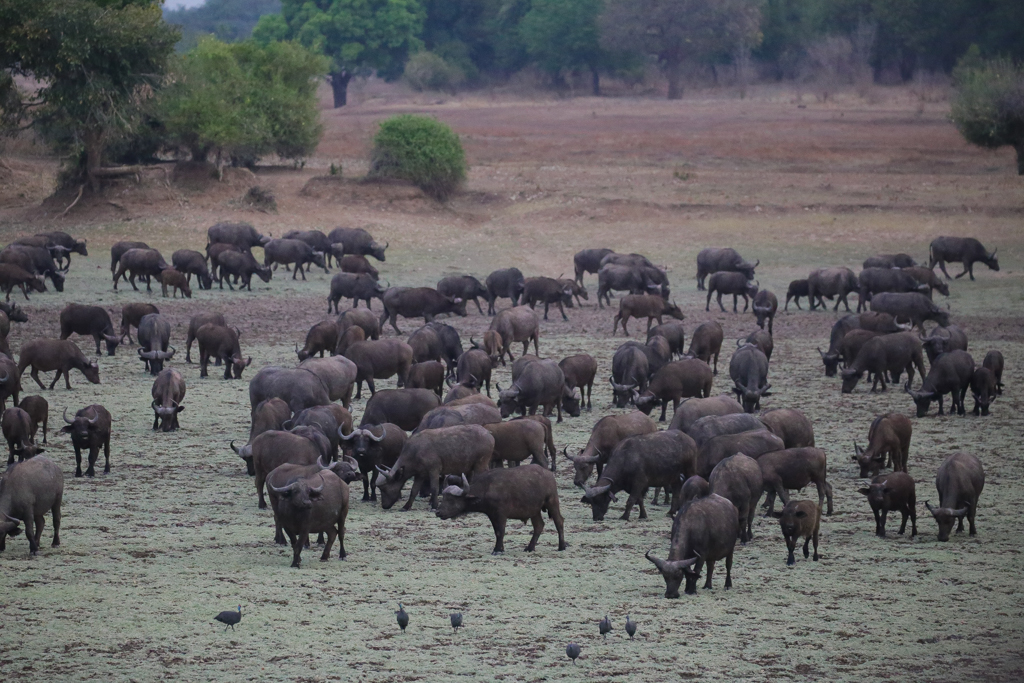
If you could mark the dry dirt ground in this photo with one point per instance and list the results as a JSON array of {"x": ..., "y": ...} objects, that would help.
[{"x": 152, "y": 551}]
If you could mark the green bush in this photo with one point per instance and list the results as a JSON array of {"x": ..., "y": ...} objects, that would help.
[
  {"x": 988, "y": 108},
  {"x": 421, "y": 150},
  {"x": 428, "y": 71}
]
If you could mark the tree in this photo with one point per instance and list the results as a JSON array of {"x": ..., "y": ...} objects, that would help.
[
  {"x": 988, "y": 108},
  {"x": 228, "y": 20},
  {"x": 240, "y": 101},
  {"x": 356, "y": 35},
  {"x": 97, "y": 63},
  {"x": 677, "y": 31},
  {"x": 562, "y": 34}
]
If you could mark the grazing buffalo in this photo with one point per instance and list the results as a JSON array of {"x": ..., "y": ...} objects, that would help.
[
  {"x": 706, "y": 343},
  {"x": 713, "y": 260},
  {"x": 221, "y": 342},
  {"x": 674, "y": 332},
  {"x": 379, "y": 359},
  {"x": 427, "y": 375},
  {"x": 737, "y": 479},
  {"x": 271, "y": 449},
  {"x": 889, "y": 354},
  {"x": 140, "y": 263},
  {"x": 748, "y": 370},
  {"x": 580, "y": 372},
  {"x": 10, "y": 381},
  {"x": 118, "y": 250},
  {"x": 416, "y": 302},
  {"x": 765, "y": 306},
  {"x": 38, "y": 410},
  {"x": 630, "y": 373},
  {"x": 693, "y": 409},
  {"x": 704, "y": 530},
  {"x": 517, "y": 325},
  {"x": 426, "y": 345},
  {"x": 983, "y": 388},
  {"x": 731, "y": 283},
  {"x": 893, "y": 492},
  {"x": 474, "y": 370},
  {"x": 176, "y": 281},
  {"x": 192, "y": 263},
  {"x": 829, "y": 283},
  {"x": 17, "y": 430},
  {"x": 61, "y": 355},
  {"x": 465, "y": 412},
  {"x": 297, "y": 387},
  {"x": 90, "y": 430},
  {"x": 363, "y": 319},
  {"x": 93, "y": 321},
  {"x": 242, "y": 235},
  {"x": 790, "y": 425},
  {"x": 890, "y": 261},
  {"x": 797, "y": 289},
  {"x": 752, "y": 444},
  {"x": 517, "y": 440},
  {"x": 243, "y": 266},
  {"x": 943, "y": 339},
  {"x": 508, "y": 283},
  {"x": 297, "y": 252},
  {"x": 357, "y": 241},
  {"x": 793, "y": 469},
  {"x": 547, "y": 290},
  {"x": 36, "y": 260},
  {"x": 154, "y": 342},
  {"x": 465, "y": 287},
  {"x": 337, "y": 374},
  {"x": 607, "y": 433},
  {"x": 959, "y": 481},
  {"x": 912, "y": 306},
  {"x": 675, "y": 381},
  {"x": 578, "y": 291},
  {"x": 316, "y": 239},
  {"x": 965, "y": 250},
  {"x": 403, "y": 407},
  {"x": 873, "y": 281},
  {"x": 12, "y": 276},
  {"x": 588, "y": 261},
  {"x": 644, "y": 306},
  {"x": 321, "y": 338},
  {"x": 800, "y": 519},
  {"x": 541, "y": 384},
  {"x": 168, "y": 392},
  {"x": 950, "y": 374},
  {"x": 132, "y": 315},
  {"x": 617, "y": 278},
  {"x": 927, "y": 276},
  {"x": 882, "y": 323},
  {"x": 888, "y": 439},
  {"x": 710, "y": 426},
  {"x": 30, "y": 490},
  {"x": 352, "y": 263},
  {"x": 270, "y": 414},
  {"x": 355, "y": 286},
  {"x": 522, "y": 493}
]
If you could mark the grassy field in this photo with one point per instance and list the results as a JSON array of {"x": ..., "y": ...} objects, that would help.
[{"x": 152, "y": 551}]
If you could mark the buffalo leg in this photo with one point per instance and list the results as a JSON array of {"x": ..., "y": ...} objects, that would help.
[
  {"x": 55, "y": 513},
  {"x": 35, "y": 376},
  {"x": 562, "y": 310},
  {"x": 790, "y": 546},
  {"x": 807, "y": 552},
  {"x": 538, "y": 527},
  {"x": 332, "y": 533},
  {"x": 341, "y": 536},
  {"x": 555, "y": 514},
  {"x": 970, "y": 519},
  {"x": 711, "y": 571},
  {"x": 828, "y": 495},
  {"x": 735, "y": 301},
  {"x": 476, "y": 300},
  {"x": 297, "y": 542},
  {"x": 746, "y": 304},
  {"x": 34, "y": 538},
  {"x": 106, "y": 456},
  {"x": 536, "y": 344},
  {"x": 366, "y": 486},
  {"x": 94, "y": 454},
  {"x": 720, "y": 302},
  {"x": 417, "y": 484},
  {"x": 498, "y": 522}
]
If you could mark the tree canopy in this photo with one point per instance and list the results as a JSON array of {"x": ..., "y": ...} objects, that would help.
[
  {"x": 560, "y": 35},
  {"x": 988, "y": 108},
  {"x": 356, "y": 35}
]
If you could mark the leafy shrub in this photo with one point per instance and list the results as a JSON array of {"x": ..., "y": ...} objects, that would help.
[
  {"x": 423, "y": 151},
  {"x": 988, "y": 108},
  {"x": 429, "y": 71}
]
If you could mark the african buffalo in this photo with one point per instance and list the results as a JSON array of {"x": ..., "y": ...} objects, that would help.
[
  {"x": 713, "y": 260},
  {"x": 965, "y": 250}
]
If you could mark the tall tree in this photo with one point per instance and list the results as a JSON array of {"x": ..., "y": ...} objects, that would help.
[
  {"x": 356, "y": 35},
  {"x": 97, "y": 61},
  {"x": 988, "y": 108},
  {"x": 562, "y": 34},
  {"x": 677, "y": 31}
]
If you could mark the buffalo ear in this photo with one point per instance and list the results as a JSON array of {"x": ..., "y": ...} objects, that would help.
[
  {"x": 179, "y": 409},
  {"x": 585, "y": 500},
  {"x": 864, "y": 491}
]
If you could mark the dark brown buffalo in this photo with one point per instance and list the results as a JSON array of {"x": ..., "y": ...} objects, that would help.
[
  {"x": 38, "y": 410},
  {"x": 197, "y": 321},
  {"x": 10, "y": 381},
  {"x": 361, "y": 318},
  {"x": 765, "y": 306},
  {"x": 693, "y": 409},
  {"x": 889, "y": 354},
  {"x": 61, "y": 355},
  {"x": 168, "y": 392},
  {"x": 950, "y": 374},
  {"x": 675, "y": 381},
  {"x": 464, "y": 412},
  {"x": 315, "y": 239},
  {"x": 17, "y": 429},
  {"x": 617, "y": 278},
  {"x": 893, "y": 492},
  {"x": 337, "y": 374},
  {"x": 243, "y": 266},
  {"x": 630, "y": 373},
  {"x": 882, "y": 323},
  {"x": 269, "y": 414},
  {"x": 965, "y": 250},
  {"x": 293, "y": 252},
  {"x": 541, "y": 385},
  {"x": 673, "y": 332},
  {"x": 297, "y": 387},
  {"x": 873, "y": 281},
  {"x": 474, "y": 370},
  {"x": 273, "y": 448},
  {"x": 927, "y": 276},
  {"x": 465, "y": 287},
  {"x": 36, "y": 260},
  {"x": 737, "y": 479},
  {"x": 522, "y": 493},
  {"x": 994, "y": 362},
  {"x": 752, "y": 444},
  {"x": 221, "y": 342},
  {"x": 829, "y": 283},
  {"x": 504, "y": 284},
  {"x": 90, "y": 430},
  {"x": 790, "y": 425},
  {"x": 580, "y": 372},
  {"x": 191, "y": 263},
  {"x": 169, "y": 277},
  {"x": 607, "y": 433},
  {"x": 357, "y": 264},
  {"x": 357, "y": 241},
  {"x": 762, "y": 340},
  {"x": 731, "y": 283},
  {"x": 888, "y": 439},
  {"x": 322, "y": 337},
  {"x": 140, "y": 263},
  {"x": 373, "y": 447},
  {"x": 959, "y": 481},
  {"x": 403, "y": 407},
  {"x": 379, "y": 359},
  {"x": 427, "y": 375},
  {"x": 547, "y": 290},
  {"x": 29, "y": 491},
  {"x": 154, "y": 342},
  {"x": 793, "y": 469},
  {"x": 588, "y": 261},
  {"x": 890, "y": 261},
  {"x": 118, "y": 250},
  {"x": 706, "y": 343},
  {"x": 12, "y": 276},
  {"x": 517, "y": 440},
  {"x": 704, "y": 530},
  {"x": 427, "y": 455},
  {"x": 241, "y": 235},
  {"x": 712, "y": 260},
  {"x": 214, "y": 252},
  {"x": 748, "y": 369},
  {"x": 517, "y": 325},
  {"x": 578, "y": 291},
  {"x": 93, "y": 321},
  {"x": 797, "y": 289},
  {"x": 132, "y": 315},
  {"x": 710, "y": 426},
  {"x": 943, "y": 339},
  {"x": 650, "y": 306},
  {"x": 418, "y": 302},
  {"x": 800, "y": 519},
  {"x": 308, "y": 500},
  {"x": 912, "y": 306},
  {"x": 659, "y": 459}
]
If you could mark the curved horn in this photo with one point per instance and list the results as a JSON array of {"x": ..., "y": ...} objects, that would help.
[
  {"x": 95, "y": 419},
  {"x": 13, "y": 519},
  {"x": 383, "y": 433},
  {"x": 71, "y": 422},
  {"x": 319, "y": 488},
  {"x": 929, "y": 506},
  {"x": 282, "y": 489},
  {"x": 656, "y": 561},
  {"x": 961, "y": 512},
  {"x": 296, "y": 347},
  {"x": 465, "y": 482},
  {"x": 237, "y": 450},
  {"x": 349, "y": 437},
  {"x": 757, "y": 263},
  {"x": 320, "y": 463}
]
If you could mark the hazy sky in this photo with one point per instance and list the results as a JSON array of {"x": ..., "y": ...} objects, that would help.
[{"x": 175, "y": 4}]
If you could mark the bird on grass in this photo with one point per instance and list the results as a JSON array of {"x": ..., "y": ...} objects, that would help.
[
  {"x": 630, "y": 627},
  {"x": 402, "y": 617},
  {"x": 606, "y": 626},
  {"x": 230, "y": 618},
  {"x": 572, "y": 651},
  {"x": 456, "y": 621}
]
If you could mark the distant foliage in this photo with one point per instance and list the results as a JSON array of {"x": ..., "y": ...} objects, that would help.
[
  {"x": 429, "y": 71},
  {"x": 244, "y": 100},
  {"x": 227, "y": 20},
  {"x": 988, "y": 108},
  {"x": 421, "y": 150}
]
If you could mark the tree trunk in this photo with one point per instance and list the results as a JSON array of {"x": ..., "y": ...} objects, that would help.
[
  {"x": 339, "y": 84},
  {"x": 93, "y": 157},
  {"x": 595, "y": 81},
  {"x": 674, "y": 74},
  {"x": 1020, "y": 157}
]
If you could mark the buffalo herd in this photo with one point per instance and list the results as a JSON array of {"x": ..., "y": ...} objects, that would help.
[{"x": 453, "y": 435}]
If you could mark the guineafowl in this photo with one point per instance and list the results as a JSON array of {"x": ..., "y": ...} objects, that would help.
[
  {"x": 402, "y": 616},
  {"x": 630, "y": 627},
  {"x": 572, "y": 650},
  {"x": 605, "y": 626},
  {"x": 456, "y": 621},
  {"x": 230, "y": 618}
]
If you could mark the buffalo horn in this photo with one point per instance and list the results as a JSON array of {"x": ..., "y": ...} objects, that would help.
[
  {"x": 282, "y": 489},
  {"x": 383, "y": 433},
  {"x": 13, "y": 519},
  {"x": 348, "y": 437},
  {"x": 465, "y": 482},
  {"x": 319, "y": 488},
  {"x": 929, "y": 506},
  {"x": 71, "y": 422},
  {"x": 238, "y": 451}
]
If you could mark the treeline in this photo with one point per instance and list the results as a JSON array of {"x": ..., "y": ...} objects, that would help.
[
  {"x": 447, "y": 44},
  {"x": 227, "y": 20}
]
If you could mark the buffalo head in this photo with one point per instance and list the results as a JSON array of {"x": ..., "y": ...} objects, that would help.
[
  {"x": 946, "y": 518},
  {"x": 674, "y": 571}
]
